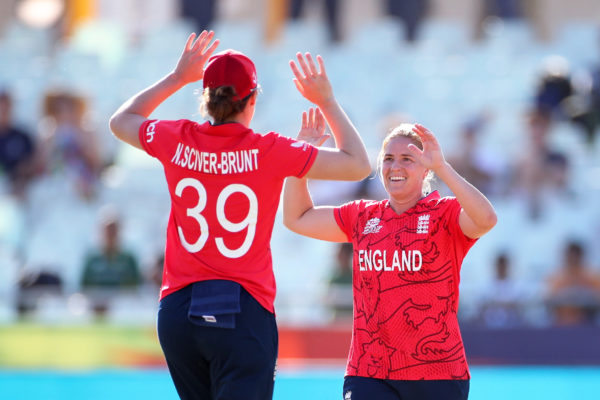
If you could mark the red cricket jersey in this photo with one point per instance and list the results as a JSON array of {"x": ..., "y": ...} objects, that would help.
[
  {"x": 225, "y": 183},
  {"x": 405, "y": 277}
]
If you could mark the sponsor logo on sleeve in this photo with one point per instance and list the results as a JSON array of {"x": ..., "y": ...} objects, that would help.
[{"x": 150, "y": 131}]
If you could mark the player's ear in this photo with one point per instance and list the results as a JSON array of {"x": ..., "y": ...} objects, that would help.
[{"x": 252, "y": 99}]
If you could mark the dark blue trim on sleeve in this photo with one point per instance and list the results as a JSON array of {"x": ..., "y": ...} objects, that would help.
[{"x": 308, "y": 161}]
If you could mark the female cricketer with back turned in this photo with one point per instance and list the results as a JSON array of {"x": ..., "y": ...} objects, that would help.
[
  {"x": 216, "y": 322},
  {"x": 408, "y": 250}
]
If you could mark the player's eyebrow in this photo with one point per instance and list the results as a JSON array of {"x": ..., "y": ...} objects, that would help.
[{"x": 401, "y": 155}]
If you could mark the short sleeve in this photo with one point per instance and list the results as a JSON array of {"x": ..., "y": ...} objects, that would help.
[
  {"x": 292, "y": 157},
  {"x": 452, "y": 214},
  {"x": 160, "y": 137},
  {"x": 345, "y": 216}
]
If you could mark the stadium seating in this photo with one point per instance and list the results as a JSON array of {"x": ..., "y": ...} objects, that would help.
[{"x": 440, "y": 81}]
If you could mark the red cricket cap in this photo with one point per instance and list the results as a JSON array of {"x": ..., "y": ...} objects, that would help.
[{"x": 231, "y": 68}]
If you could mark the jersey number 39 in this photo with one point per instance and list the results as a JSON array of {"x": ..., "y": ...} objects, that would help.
[{"x": 196, "y": 213}]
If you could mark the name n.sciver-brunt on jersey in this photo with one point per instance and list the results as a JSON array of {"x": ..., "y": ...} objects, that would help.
[{"x": 226, "y": 162}]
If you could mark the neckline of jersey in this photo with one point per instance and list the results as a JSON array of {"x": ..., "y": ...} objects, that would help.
[
  {"x": 226, "y": 129},
  {"x": 434, "y": 195}
]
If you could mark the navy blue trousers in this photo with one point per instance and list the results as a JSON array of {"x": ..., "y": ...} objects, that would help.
[
  {"x": 360, "y": 388},
  {"x": 212, "y": 363}
]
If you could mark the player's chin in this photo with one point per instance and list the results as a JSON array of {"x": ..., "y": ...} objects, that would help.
[
  {"x": 395, "y": 184},
  {"x": 395, "y": 188}
]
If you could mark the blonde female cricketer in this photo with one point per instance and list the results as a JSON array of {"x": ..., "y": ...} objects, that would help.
[{"x": 408, "y": 250}]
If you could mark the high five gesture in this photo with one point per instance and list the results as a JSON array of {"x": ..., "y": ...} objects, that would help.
[
  {"x": 349, "y": 160},
  {"x": 126, "y": 121},
  {"x": 197, "y": 51}
]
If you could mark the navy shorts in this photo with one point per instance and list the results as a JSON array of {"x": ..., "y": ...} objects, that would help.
[
  {"x": 360, "y": 388},
  {"x": 210, "y": 362}
]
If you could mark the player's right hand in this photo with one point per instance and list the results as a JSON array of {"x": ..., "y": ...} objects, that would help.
[
  {"x": 311, "y": 82},
  {"x": 313, "y": 127},
  {"x": 190, "y": 67}
]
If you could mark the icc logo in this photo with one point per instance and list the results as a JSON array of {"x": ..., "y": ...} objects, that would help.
[{"x": 372, "y": 226}]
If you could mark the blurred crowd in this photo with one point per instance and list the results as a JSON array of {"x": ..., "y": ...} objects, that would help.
[{"x": 66, "y": 159}]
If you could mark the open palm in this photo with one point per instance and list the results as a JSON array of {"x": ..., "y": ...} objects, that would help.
[
  {"x": 313, "y": 127},
  {"x": 190, "y": 67},
  {"x": 431, "y": 157}
]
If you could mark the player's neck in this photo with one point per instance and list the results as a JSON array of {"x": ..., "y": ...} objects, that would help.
[
  {"x": 241, "y": 120},
  {"x": 244, "y": 117},
  {"x": 400, "y": 205}
]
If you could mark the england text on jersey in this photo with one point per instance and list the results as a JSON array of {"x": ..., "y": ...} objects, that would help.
[
  {"x": 226, "y": 162},
  {"x": 407, "y": 260}
]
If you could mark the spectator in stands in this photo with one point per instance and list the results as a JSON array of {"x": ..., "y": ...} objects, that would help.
[
  {"x": 503, "y": 300},
  {"x": 17, "y": 150},
  {"x": 505, "y": 9},
  {"x": 7, "y": 14},
  {"x": 574, "y": 289},
  {"x": 502, "y": 12},
  {"x": 482, "y": 170},
  {"x": 594, "y": 108},
  {"x": 33, "y": 286},
  {"x": 554, "y": 86},
  {"x": 339, "y": 292},
  {"x": 541, "y": 171},
  {"x": 156, "y": 270},
  {"x": 583, "y": 108},
  {"x": 109, "y": 268},
  {"x": 70, "y": 147},
  {"x": 411, "y": 13},
  {"x": 200, "y": 12},
  {"x": 331, "y": 12}
]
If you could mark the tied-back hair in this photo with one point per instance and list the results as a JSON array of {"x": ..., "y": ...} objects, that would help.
[
  {"x": 220, "y": 105},
  {"x": 405, "y": 130}
]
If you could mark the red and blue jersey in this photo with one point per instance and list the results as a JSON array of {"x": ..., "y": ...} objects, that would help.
[
  {"x": 225, "y": 183},
  {"x": 405, "y": 277}
]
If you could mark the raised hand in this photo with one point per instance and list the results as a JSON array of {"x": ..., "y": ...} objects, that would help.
[
  {"x": 190, "y": 67},
  {"x": 313, "y": 127},
  {"x": 431, "y": 157},
  {"x": 312, "y": 82}
]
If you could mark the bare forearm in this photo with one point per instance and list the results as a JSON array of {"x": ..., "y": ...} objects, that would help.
[
  {"x": 301, "y": 216},
  {"x": 126, "y": 121},
  {"x": 346, "y": 135},
  {"x": 349, "y": 159},
  {"x": 474, "y": 203},
  {"x": 296, "y": 201},
  {"x": 146, "y": 101}
]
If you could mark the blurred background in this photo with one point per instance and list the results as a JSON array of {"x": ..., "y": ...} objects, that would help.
[{"x": 510, "y": 87}]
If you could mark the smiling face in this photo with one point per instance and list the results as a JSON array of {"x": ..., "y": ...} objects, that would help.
[{"x": 401, "y": 173}]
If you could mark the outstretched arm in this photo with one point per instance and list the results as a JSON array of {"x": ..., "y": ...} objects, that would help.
[
  {"x": 349, "y": 161},
  {"x": 301, "y": 216},
  {"x": 126, "y": 121},
  {"x": 299, "y": 213},
  {"x": 477, "y": 216}
]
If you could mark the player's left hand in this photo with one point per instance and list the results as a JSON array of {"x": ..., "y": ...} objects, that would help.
[
  {"x": 190, "y": 67},
  {"x": 312, "y": 82},
  {"x": 431, "y": 157},
  {"x": 313, "y": 127}
]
